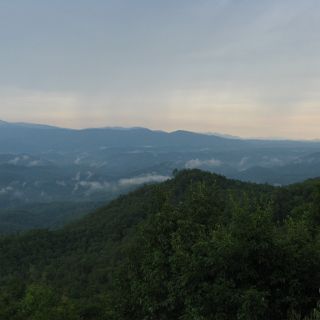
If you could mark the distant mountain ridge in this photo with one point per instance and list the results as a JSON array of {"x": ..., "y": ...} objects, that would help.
[
  {"x": 20, "y": 137},
  {"x": 26, "y": 125},
  {"x": 24, "y": 137}
]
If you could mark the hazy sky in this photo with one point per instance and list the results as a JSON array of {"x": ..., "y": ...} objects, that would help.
[{"x": 243, "y": 67}]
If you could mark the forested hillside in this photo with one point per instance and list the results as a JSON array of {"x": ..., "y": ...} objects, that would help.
[
  {"x": 43, "y": 215},
  {"x": 195, "y": 247}
]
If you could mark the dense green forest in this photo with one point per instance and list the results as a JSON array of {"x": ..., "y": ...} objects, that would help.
[
  {"x": 50, "y": 215},
  {"x": 196, "y": 247}
]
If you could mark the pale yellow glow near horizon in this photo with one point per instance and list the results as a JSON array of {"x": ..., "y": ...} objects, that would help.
[{"x": 200, "y": 111}]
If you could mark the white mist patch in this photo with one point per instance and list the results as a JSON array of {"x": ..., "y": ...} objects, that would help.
[
  {"x": 77, "y": 176},
  {"x": 197, "y": 163},
  {"x": 6, "y": 190},
  {"x": 34, "y": 163},
  {"x": 96, "y": 164},
  {"x": 25, "y": 161},
  {"x": 77, "y": 160},
  {"x": 93, "y": 186},
  {"x": 14, "y": 161},
  {"x": 89, "y": 175},
  {"x": 149, "y": 178},
  {"x": 61, "y": 183},
  {"x": 243, "y": 164},
  {"x": 272, "y": 162},
  {"x": 19, "y": 159}
]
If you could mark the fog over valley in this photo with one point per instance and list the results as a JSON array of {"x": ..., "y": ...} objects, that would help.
[{"x": 97, "y": 165}]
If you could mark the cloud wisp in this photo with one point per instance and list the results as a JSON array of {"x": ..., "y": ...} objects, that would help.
[{"x": 197, "y": 163}]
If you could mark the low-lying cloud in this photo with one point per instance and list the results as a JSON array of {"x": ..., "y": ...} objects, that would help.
[
  {"x": 149, "y": 178},
  {"x": 93, "y": 186},
  {"x": 197, "y": 163},
  {"x": 6, "y": 190},
  {"x": 25, "y": 161}
]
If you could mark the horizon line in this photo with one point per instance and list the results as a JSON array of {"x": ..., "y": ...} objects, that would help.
[{"x": 207, "y": 133}]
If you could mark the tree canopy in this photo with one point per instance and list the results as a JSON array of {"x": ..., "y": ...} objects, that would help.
[{"x": 198, "y": 246}]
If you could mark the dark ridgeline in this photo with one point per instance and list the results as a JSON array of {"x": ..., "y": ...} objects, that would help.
[
  {"x": 198, "y": 246},
  {"x": 28, "y": 138}
]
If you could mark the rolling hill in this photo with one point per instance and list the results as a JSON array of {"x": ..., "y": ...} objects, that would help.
[{"x": 198, "y": 246}]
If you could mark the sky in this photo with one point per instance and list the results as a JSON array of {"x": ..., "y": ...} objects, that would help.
[{"x": 242, "y": 67}]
